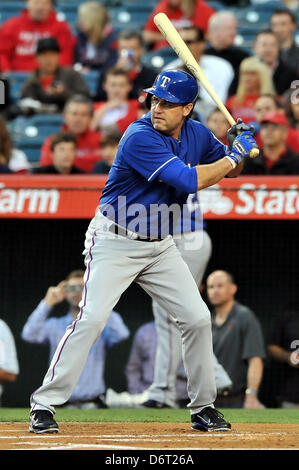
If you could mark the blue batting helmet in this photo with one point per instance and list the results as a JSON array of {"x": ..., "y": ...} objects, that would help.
[{"x": 175, "y": 86}]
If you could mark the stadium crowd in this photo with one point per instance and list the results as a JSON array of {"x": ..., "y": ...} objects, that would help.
[
  {"x": 92, "y": 74},
  {"x": 53, "y": 62}
]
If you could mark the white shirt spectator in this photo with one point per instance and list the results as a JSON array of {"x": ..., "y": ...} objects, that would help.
[
  {"x": 18, "y": 161},
  {"x": 219, "y": 73},
  {"x": 8, "y": 354}
]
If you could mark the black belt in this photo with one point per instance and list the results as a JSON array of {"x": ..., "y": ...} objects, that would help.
[{"x": 123, "y": 232}]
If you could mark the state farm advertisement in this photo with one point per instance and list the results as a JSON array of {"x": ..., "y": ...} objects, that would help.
[{"x": 77, "y": 196}]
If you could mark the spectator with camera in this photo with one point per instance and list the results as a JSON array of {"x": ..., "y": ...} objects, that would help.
[
  {"x": 130, "y": 50},
  {"x": 40, "y": 329}
]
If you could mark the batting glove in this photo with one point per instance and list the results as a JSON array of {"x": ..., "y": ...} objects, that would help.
[
  {"x": 241, "y": 147},
  {"x": 237, "y": 129}
]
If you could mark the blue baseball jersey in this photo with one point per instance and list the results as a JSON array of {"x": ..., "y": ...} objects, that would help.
[{"x": 153, "y": 175}]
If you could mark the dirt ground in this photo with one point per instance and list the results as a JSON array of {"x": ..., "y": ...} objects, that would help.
[{"x": 140, "y": 436}]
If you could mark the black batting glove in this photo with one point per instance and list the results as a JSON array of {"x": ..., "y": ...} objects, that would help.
[{"x": 237, "y": 129}]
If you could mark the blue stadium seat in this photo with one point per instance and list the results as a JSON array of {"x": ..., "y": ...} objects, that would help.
[
  {"x": 37, "y": 127},
  {"x": 160, "y": 58},
  {"x": 130, "y": 16},
  {"x": 16, "y": 80},
  {"x": 92, "y": 79},
  {"x": 31, "y": 149},
  {"x": 29, "y": 134},
  {"x": 10, "y": 9}
]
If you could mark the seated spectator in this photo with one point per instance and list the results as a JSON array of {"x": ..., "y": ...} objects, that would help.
[
  {"x": 283, "y": 349},
  {"x": 270, "y": 103},
  {"x": 266, "y": 48},
  {"x": 237, "y": 341},
  {"x": 117, "y": 112},
  {"x": 129, "y": 54},
  {"x": 78, "y": 113},
  {"x": 221, "y": 35},
  {"x": 219, "y": 125},
  {"x": 292, "y": 109},
  {"x": 275, "y": 157},
  {"x": 283, "y": 24},
  {"x": 109, "y": 145},
  {"x": 9, "y": 364},
  {"x": 96, "y": 45},
  {"x": 254, "y": 80},
  {"x": 181, "y": 13},
  {"x": 51, "y": 84},
  {"x": 40, "y": 329},
  {"x": 19, "y": 36},
  {"x": 63, "y": 152},
  {"x": 11, "y": 159},
  {"x": 213, "y": 67}
]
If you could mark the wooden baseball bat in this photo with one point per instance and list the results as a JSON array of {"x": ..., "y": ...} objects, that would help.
[{"x": 173, "y": 37}]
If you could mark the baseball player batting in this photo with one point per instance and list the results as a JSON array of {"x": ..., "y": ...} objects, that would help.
[{"x": 161, "y": 159}]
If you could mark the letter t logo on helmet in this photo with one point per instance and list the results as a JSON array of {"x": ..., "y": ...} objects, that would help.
[
  {"x": 175, "y": 86},
  {"x": 165, "y": 80}
]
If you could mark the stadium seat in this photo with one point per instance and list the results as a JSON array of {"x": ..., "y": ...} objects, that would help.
[
  {"x": 160, "y": 58},
  {"x": 29, "y": 134},
  {"x": 16, "y": 80},
  {"x": 130, "y": 16},
  {"x": 37, "y": 127},
  {"x": 31, "y": 149},
  {"x": 10, "y": 9},
  {"x": 92, "y": 79}
]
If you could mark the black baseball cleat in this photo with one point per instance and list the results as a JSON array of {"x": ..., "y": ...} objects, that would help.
[
  {"x": 154, "y": 404},
  {"x": 42, "y": 421},
  {"x": 209, "y": 419}
]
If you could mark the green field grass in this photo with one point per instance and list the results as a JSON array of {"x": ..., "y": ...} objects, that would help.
[{"x": 146, "y": 416}]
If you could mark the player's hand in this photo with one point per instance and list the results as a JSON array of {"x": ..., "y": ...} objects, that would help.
[
  {"x": 55, "y": 294},
  {"x": 242, "y": 145},
  {"x": 238, "y": 129}
]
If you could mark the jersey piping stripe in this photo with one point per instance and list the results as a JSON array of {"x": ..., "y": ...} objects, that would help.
[
  {"x": 161, "y": 167},
  {"x": 84, "y": 303}
]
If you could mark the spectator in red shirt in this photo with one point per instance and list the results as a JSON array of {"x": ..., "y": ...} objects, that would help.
[
  {"x": 109, "y": 146},
  {"x": 118, "y": 111},
  {"x": 275, "y": 157},
  {"x": 254, "y": 80},
  {"x": 269, "y": 103},
  {"x": 78, "y": 113},
  {"x": 182, "y": 13},
  {"x": 19, "y": 35}
]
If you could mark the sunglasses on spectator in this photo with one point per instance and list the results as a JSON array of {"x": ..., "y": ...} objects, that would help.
[
  {"x": 270, "y": 125},
  {"x": 74, "y": 288}
]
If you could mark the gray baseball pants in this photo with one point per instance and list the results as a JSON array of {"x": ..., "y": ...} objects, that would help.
[
  {"x": 112, "y": 264},
  {"x": 196, "y": 249}
]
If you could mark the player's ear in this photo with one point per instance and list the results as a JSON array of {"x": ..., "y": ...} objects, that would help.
[{"x": 188, "y": 109}]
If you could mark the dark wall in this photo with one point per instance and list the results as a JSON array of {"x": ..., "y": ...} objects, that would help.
[{"x": 34, "y": 254}]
